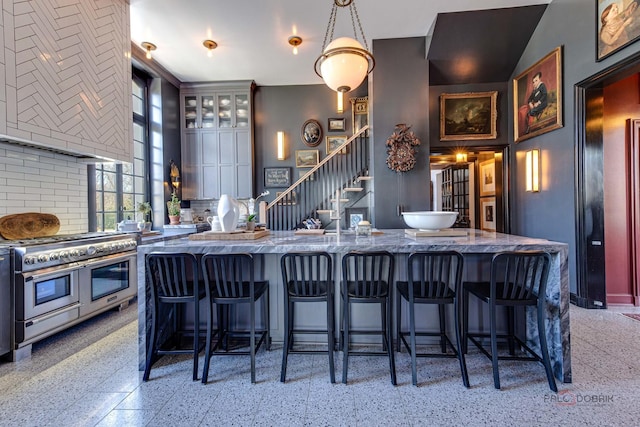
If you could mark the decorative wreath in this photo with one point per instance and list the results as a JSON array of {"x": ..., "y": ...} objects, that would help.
[{"x": 401, "y": 154}]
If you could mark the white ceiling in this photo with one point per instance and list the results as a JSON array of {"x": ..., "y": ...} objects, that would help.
[{"x": 252, "y": 34}]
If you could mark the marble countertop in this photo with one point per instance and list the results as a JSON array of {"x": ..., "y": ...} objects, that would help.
[{"x": 476, "y": 241}]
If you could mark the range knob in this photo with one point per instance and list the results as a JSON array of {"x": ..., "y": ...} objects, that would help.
[
  {"x": 82, "y": 251},
  {"x": 91, "y": 250},
  {"x": 30, "y": 260},
  {"x": 43, "y": 258},
  {"x": 54, "y": 256},
  {"x": 64, "y": 254},
  {"x": 73, "y": 252}
]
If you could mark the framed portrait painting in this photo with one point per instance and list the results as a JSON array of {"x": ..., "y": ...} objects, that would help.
[
  {"x": 537, "y": 98},
  {"x": 311, "y": 133},
  {"x": 488, "y": 213},
  {"x": 617, "y": 26},
  {"x": 468, "y": 116},
  {"x": 487, "y": 178}
]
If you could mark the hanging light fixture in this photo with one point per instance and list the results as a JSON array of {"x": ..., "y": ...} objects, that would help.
[
  {"x": 148, "y": 47},
  {"x": 344, "y": 62},
  {"x": 210, "y": 45},
  {"x": 295, "y": 41}
]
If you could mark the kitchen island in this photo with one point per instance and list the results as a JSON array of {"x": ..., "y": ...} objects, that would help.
[{"x": 477, "y": 247}]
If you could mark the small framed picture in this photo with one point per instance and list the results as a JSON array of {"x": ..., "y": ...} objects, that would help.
[
  {"x": 277, "y": 177},
  {"x": 488, "y": 178},
  {"x": 289, "y": 199},
  {"x": 303, "y": 172},
  {"x": 488, "y": 213},
  {"x": 354, "y": 215},
  {"x": 334, "y": 142},
  {"x": 336, "y": 125},
  {"x": 307, "y": 158}
]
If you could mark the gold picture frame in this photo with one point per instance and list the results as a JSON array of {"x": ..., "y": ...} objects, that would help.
[
  {"x": 488, "y": 213},
  {"x": 359, "y": 113},
  {"x": 307, "y": 158},
  {"x": 487, "y": 178},
  {"x": 334, "y": 141},
  {"x": 538, "y": 110},
  {"x": 468, "y": 116}
]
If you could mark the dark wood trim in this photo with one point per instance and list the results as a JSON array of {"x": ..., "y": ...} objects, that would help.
[
  {"x": 139, "y": 59},
  {"x": 634, "y": 203}
]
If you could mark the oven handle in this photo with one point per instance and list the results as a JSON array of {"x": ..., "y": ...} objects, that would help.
[
  {"x": 109, "y": 259},
  {"x": 50, "y": 315},
  {"x": 49, "y": 272}
]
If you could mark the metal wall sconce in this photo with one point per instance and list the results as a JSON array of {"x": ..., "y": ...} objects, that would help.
[
  {"x": 174, "y": 175},
  {"x": 532, "y": 161},
  {"x": 280, "y": 148},
  {"x": 461, "y": 157}
]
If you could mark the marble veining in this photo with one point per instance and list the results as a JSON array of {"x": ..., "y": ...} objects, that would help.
[{"x": 477, "y": 246}]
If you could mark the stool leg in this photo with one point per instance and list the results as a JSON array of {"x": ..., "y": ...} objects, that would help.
[
  {"x": 287, "y": 331},
  {"x": 494, "y": 345},
  {"x": 152, "y": 344},
  {"x": 461, "y": 357},
  {"x": 465, "y": 320},
  {"x": 267, "y": 320},
  {"x": 345, "y": 339},
  {"x": 196, "y": 333},
  {"x": 399, "y": 323},
  {"x": 389, "y": 338},
  {"x": 383, "y": 316},
  {"x": 252, "y": 341},
  {"x": 544, "y": 348},
  {"x": 412, "y": 332},
  {"x": 330, "y": 337},
  {"x": 511, "y": 321},
  {"x": 207, "y": 351},
  {"x": 443, "y": 341}
]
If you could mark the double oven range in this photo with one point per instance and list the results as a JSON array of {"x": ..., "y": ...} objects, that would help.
[{"x": 62, "y": 280}]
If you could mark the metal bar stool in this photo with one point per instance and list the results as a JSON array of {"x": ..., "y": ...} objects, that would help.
[
  {"x": 229, "y": 280},
  {"x": 173, "y": 282},
  {"x": 307, "y": 277},
  {"x": 367, "y": 278},
  {"x": 433, "y": 278},
  {"x": 517, "y": 279}
]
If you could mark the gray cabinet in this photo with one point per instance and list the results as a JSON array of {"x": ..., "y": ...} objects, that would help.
[{"x": 217, "y": 140}]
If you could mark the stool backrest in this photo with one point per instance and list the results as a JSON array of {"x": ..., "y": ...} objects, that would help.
[
  {"x": 434, "y": 274},
  {"x": 370, "y": 272},
  {"x": 172, "y": 275},
  {"x": 306, "y": 273},
  {"x": 522, "y": 273},
  {"x": 228, "y": 275}
]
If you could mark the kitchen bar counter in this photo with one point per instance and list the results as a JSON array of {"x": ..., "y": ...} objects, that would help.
[{"x": 477, "y": 247}]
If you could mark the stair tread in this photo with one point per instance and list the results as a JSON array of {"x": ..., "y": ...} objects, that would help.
[
  {"x": 365, "y": 178},
  {"x": 341, "y": 200},
  {"x": 323, "y": 211},
  {"x": 354, "y": 189}
]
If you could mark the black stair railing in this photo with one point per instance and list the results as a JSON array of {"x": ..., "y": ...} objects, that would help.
[{"x": 313, "y": 193}]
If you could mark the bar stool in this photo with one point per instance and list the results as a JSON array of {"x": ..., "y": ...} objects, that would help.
[
  {"x": 307, "y": 277},
  {"x": 173, "y": 282},
  {"x": 517, "y": 279},
  {"x": 367, "y": 278},
  {"x": 433, "y": 278},
  {"x": 229, "y": 280}
]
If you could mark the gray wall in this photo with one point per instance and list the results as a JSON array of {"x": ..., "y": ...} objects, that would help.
[
  {"x": 286, "y": 108},
  {"x": 400, "y": 94},
  {"x": 550, "y": 213}
]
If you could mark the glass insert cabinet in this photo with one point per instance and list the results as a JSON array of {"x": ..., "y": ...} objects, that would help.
[{"x": 217, "y": 140}]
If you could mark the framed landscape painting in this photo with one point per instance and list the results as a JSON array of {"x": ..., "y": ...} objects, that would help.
[
  {"x": 468, "y": 116},
  {"x": 537, "y": 98}
]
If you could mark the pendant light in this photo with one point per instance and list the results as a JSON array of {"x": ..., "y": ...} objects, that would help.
[{"x": 344, "y": 62}]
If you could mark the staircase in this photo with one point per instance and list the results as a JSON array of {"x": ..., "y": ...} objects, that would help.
[{"x": 339, "y": 180}]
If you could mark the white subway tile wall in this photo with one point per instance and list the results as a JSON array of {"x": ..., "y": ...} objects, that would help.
[{"x": 33, "y": 180}]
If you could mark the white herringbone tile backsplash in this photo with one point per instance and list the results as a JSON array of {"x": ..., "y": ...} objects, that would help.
[{"x": 33, "y": 180}]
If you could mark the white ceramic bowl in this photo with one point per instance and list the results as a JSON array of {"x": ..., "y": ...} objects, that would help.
[{"x": 429, "y": 220}]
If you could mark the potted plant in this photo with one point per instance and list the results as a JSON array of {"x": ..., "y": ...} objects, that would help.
[
  {"x": 251, "y": 222},
  {"x": 173, "y": 209},
  {"x": 144, "y": 209}
]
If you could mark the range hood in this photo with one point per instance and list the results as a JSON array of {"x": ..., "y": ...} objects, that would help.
[{"x": 32, "y": 144}]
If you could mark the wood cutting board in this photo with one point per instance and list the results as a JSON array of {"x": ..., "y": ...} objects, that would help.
[
  {"x": 28, "y": 225},
  {"x": 234, "y": 235},
  {"x": 445, "y": 232}
]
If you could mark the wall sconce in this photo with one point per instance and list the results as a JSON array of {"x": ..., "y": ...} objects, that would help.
[
  {"x": 533, "y": 171},
  {"x": 148, "y": 47},
  {"x": 461, "y": 157},
  {"x": 174, "y": 175},
  {"x": 340, "y": 102},
  {"x": 280, "y": 150}
]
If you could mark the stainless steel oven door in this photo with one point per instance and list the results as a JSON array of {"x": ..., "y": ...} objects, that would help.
[
  {"x": 107, "y": 282},
  {"x": 44, "y": 291}
]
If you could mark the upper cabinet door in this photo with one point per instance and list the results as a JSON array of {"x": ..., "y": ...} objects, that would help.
[
  {"x": 242, "y": 112},
  {"x": 190, "y": 112},
  {"x": 225, "y": 111},
  {"x": 207, "y": 111}
]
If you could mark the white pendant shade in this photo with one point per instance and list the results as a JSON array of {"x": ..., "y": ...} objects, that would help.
[{"x": 344, "y": 69}]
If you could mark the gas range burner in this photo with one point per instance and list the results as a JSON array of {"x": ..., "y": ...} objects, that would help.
[{"x": 57, "y": 238}]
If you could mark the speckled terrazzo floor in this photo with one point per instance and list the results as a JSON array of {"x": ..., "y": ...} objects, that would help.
[{"x": 88, "y": 376}]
